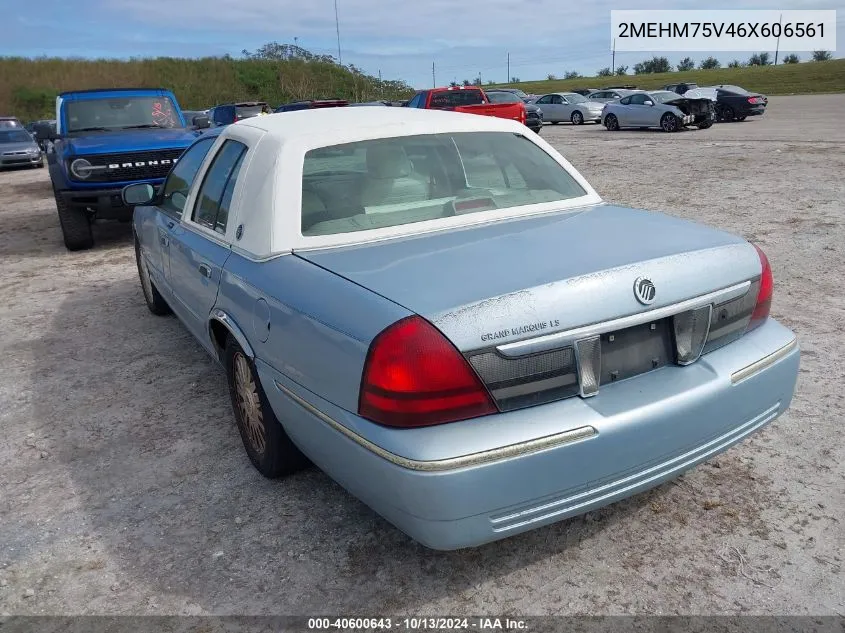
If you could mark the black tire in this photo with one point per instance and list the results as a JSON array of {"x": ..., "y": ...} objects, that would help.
[
  {"x": 41, "y": 164},
  {"x": 577, "y": 118},
  {"x": 536, "y": 130},
  {"x": 742, "y": 118},
  {"x": 669, "y": 123},
  {"x": 155, "y": 302},
  {"x": 554, "y": 122},
  {"x": 76, "y": 226},
  {"x": 269, "y": 448},
  {"x": 611, "y": 123},
  {"x": 705, "y": 124},
  {"x": 727, "y": 114}
]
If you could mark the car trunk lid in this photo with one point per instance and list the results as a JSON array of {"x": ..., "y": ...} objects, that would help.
[{"x": 504, "y": 293}]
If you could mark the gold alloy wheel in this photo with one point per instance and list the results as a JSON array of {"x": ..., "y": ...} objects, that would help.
[{"x": 249, "y": 403}]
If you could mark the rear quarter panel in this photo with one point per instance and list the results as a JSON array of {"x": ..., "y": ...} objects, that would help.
[{"x": 321, "y": 325}]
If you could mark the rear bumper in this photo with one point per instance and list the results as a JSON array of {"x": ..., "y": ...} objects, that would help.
[
  {"x": 632, "y": 436},
  {"x": 106, "y": 204}
]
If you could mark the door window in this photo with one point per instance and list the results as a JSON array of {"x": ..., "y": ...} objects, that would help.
[
  {"x": 211, "y": 208},
  {"x": 638, "y": 99},
  {"x": 182, "y": 176}
]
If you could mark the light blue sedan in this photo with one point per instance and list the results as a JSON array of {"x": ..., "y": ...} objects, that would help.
[{"x": 442, "y": 314}]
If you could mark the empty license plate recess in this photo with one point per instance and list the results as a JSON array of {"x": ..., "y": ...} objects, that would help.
[{"x": 635, "y": 350}]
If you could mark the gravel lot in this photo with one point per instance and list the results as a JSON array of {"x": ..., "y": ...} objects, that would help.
[{"x": 125, "y": 488}]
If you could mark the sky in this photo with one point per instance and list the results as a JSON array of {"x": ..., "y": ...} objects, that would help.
[{"x": 464, "y": 39}]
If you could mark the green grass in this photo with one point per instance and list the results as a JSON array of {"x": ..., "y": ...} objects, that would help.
[
  {"x": 28, "y": 87},
  {"x": 786, "y": 79}
]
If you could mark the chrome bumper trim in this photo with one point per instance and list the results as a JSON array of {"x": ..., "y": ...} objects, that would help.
[
  {"x": 568, "y": 337},
  {"x": 763, "y": 363},
  {"x": 473, "y": 459}
]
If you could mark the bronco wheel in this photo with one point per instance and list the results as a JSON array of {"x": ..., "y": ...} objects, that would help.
[
  {"x": 611, "y": 122},
  {"x": 76, "y": 226},
  {"x": 669, "y": 122},
  {"x": 155, "y": 302},
  {"x": 577, "y": 118},
  {"x": 269, "y": 448}
]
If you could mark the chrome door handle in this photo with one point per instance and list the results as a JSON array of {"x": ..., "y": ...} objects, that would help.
[{"x": 205, "y": 270}]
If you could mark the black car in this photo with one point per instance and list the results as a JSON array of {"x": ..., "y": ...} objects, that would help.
[
  {"x": 312, "y": 104},
  {"x": 228, "y": 113},
  {"x": 737, "y": 104},
  {"x": 533, "y": 113},
  {"x": 680, "y": 88}
]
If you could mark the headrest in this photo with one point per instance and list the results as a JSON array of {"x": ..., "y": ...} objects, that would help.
[{"x": 388, "y": 161}]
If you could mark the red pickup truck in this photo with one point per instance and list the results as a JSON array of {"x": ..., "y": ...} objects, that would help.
[{"x": 469, "y": 99}]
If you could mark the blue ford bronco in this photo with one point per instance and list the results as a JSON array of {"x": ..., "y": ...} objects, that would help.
[{"x": 105, "y": 140}]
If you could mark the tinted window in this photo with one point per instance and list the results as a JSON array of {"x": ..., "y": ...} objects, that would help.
[
  {"x": 398, "y": 181},
  {"x": 503, "y": 97},
  {"x": 544, "y": 99},
  {"x": 625, "y": 101},
  {"x": 247, "y": 112},
  {"x": 638, "y": 99},
  {"x": 455, "y": 98},
  {"x": 212, "y": 206},
  {"x": 576, "y": 98},
  {"x": 182, "y": 176},
  {"x": 734, "y": 90},
  {"x": 121, "y": 113},
  {"x": 14, "y": 136},
  {"x": 663, "y": 97},
  {"x": 416, "y": 102}
]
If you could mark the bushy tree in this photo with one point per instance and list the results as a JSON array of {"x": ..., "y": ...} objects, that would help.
[
  {"x": 711, "y": 63},
  {"x": 571, "y": 74},
  {"x": 822, "y": 56},
  {"x": 621, "y": 70},
  {"x": 760, "y": 59},
  {"x": 605, "y": 72},
  {"x": 466, "y": 82},
  {"x": 735, "y": 64},
  {"x": 791, "y": 59},
  {"x": 653, "y": 65},
  {"x": 686, "y": 64},
  {"x": 514, "y": 80},
  {"x": 550, "y": 77}
]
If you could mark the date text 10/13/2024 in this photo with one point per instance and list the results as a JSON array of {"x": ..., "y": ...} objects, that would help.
[{"x": 416, "y": 624}]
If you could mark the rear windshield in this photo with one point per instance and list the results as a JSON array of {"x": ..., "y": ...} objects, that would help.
[
  {"x": 503, "y": 97},
  {"x": 397, "y": 181},
  {"x": 455, "y": 98},
  {"x": 735, "y": 90},
  {"x": 574, "y": 97},
  {"x": 7, "y": 123},
  {"x": 14, "y": 136},
  {"x": 248, "y": 111},
  {"x": 663, "y": 97}
]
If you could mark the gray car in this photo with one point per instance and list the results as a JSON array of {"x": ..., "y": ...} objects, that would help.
[
  {"x": 569, "y": 106},
  {"x": 19, "y": 149},
  {"x": 666, "y": 110}
]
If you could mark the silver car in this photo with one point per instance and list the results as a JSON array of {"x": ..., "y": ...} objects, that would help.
[
  {"x": 569, "y": 106},
  {"x": 606, "y": 96},
  {"x": 19, "y": 149},
  {"x": 666, "y": 110}
]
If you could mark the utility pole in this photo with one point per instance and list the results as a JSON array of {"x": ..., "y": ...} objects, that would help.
[
  {"x": 508, "y": 78},
  {"x": 433, "y": 79},
  {"x": 777, "y": 46},
  {"x": 337, "y": 27},
  {"x": 613, "y": 58}
]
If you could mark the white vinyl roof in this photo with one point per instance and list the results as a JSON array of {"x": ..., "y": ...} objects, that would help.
[{"x": 271, "y": 189}]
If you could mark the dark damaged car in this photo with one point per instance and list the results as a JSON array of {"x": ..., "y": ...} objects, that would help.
[{"x": 661, "y": 109}]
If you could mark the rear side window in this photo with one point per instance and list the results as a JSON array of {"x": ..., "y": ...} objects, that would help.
[
  {"x": 417, "y": 101},
  {"x": 455, "y": 98},
  {"x": 247, "y": 112},
  {"x": 211, "y": 209},
  {"x": 182, "y": 176}
]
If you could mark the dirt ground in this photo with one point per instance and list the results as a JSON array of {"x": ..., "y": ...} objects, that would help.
[{"x": 125, "y": 488}]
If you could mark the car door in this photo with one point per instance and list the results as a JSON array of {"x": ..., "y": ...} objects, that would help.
[
  {"x": 550, "y": 105},
  {"x": 169, "y": 211},
  {"x": 565, "y": 109},
  {"x": 637, "y": 113},
  {"x": 199, "y": 245}
]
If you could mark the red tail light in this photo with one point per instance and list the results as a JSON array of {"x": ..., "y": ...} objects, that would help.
[
  {"x": 754, "y": 99},
  {"x": 414, "y": 376},
  {"x": 764, "y": 295}
]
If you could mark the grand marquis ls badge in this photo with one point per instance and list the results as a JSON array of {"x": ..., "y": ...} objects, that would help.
[{"x": 644, "y": 290}]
